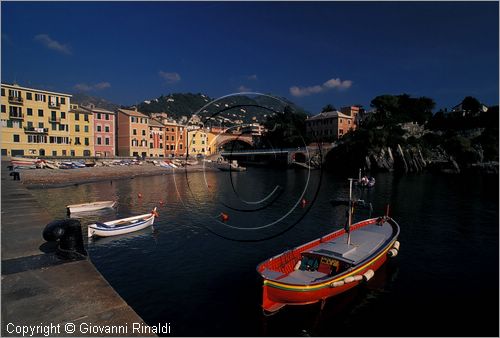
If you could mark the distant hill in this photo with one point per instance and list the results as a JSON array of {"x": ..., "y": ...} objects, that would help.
[
  {"x": 83, "y": 99},
  {"x": 250, "y": 109},
  {"x": 177, "y": 105}
]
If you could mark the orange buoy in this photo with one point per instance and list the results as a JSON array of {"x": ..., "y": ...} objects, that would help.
[
  {"x": 224, "y": 217},
  {"x": 303, "y": 203},
  {"x": 139, "y": 195}
]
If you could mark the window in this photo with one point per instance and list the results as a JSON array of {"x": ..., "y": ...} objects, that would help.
[
  {"x": 40, "y": 97},
  {"x": 16, "y": 138},
  {"x": 40, "y": 124},
  {"x": 172, "y": 147},
  {"x": 30, "y": 124},
  {"x": 77, "y": 117},
  {"x": 132, "y": 119},
  {"x": 98, "y": 116},
  {"x": 194, "y": 141},
  {"x": 53, "y": 126},
  {"x": 3, "y": 92},
  {"x": 87, "y": 142},
  {"x": 29, "y": 96},
  {"x": 53, "y": 115},
  {"x": 3, "y": 108},
  {"x": 63, "y": 115},
  {"x": 29, "y": 111},
  {"x": 77, "y": 142},
  {"x": 151, "y": 145},
  {"x": 173, "y": 138},
  {"x": 64, "y": 152},
  {"x": 86, "y": 129},
  {"x": 54, "y": 152},
  {"x": 134, "y": 131},
  {"x": 106, "y": 141},
  {"x": 106, "y": 129},
  {"x": 86, "y": 117},
  {"x": 180, "y": 146},
  {"x": 72, "y": 152},
  {"x": 99, "y": 128},
  {"x": 40, "y": 112},
  {"x": 77, "y": 127},
  {"x": 99, "y": 141},
  {"x": 63, "y": 100},
  {"x": 143, "y": 133},
  {"x": 106, "y": 116}
]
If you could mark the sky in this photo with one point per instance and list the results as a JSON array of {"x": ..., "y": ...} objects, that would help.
[{"x": 314, "y": 53}]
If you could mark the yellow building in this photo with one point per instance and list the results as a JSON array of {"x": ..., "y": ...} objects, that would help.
[
  {"x": 197, "y": 142},
  {"x": 81, "y": 131},
  {"x": 34, "y": 122}
]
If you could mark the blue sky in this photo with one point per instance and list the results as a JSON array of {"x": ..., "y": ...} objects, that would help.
[{"x": 312, "y": 53}]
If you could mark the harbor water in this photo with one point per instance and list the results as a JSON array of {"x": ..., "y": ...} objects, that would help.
[{"x": 199, "y": 274}]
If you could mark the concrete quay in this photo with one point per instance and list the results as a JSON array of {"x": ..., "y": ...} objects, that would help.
[{"x": 43, "y": 292}]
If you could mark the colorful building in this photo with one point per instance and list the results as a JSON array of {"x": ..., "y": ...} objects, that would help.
[
  {"x": 81, "y": 131},
  {"x": 132, "y": 133},
  {"x": 198, "y": 142},
  {"x": 104, "y": 131},
  {"x": 329, "y": 126},
  {"x": 175, "y": 139},
  {"x": 35, "y": 122},
  {"x": 156, "y": 139}
]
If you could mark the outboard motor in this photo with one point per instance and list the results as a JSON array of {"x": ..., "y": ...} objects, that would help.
[{"x": 69, "y": 234}]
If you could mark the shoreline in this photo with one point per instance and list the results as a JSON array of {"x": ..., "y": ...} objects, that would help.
[{"x": 59, "y": 178}]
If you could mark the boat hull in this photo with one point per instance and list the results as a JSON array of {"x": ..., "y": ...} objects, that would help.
[
  {"x": 85, "y": 207},
  {"x": 276, "y": 295},
  {"x": 95, "y": 230}
]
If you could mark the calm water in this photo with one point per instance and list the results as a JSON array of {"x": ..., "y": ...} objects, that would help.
[{"x": 186, "y": 272}]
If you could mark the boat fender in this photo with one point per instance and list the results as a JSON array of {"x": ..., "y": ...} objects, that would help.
[
  {"x": 349, "y": 279},
  {"x": 357, "y": 278},
  {"x": 368, "y": 275},
  {"x": 68, "y": 234},
  {"x": 297, "y": 266},
  {"x": 392, "y": 253},
  {"x": 337, "y": 284},
  {"x": 396, "y": 245}
]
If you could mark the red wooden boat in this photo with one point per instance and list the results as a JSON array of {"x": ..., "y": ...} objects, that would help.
[{"x": 329, "y": 265}]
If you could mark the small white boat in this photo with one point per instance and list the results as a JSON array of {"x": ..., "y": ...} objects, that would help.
[
  {"x": 92, "y": 206},
  {"x": 122, "y": 226}
]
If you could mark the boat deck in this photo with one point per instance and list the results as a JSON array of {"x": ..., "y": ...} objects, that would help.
[{"x": 364, "y": 242}]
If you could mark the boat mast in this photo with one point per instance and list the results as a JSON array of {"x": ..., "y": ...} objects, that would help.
[{"x": 350, "y": 213}]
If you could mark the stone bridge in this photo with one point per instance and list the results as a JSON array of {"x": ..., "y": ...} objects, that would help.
[{"x": 221, "y": 139}]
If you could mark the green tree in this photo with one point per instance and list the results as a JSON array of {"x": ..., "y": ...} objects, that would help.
[
  {"x": 471, "y": 105},
  {"x": 327, "y": 108},
  {"x": 287, "y": 129}
]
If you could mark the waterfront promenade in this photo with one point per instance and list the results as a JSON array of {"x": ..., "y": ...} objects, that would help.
[{"x": 38, "y": 288}]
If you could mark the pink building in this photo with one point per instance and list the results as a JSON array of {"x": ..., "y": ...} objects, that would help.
[{"x": 104, "y": 132}]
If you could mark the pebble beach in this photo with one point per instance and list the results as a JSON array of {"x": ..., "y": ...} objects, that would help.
[{"x": 51, "y": 178}]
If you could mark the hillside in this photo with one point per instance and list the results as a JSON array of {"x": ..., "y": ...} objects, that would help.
[
  {"x": 85, "y": 99},
  {"x": 249, "y": 109}
]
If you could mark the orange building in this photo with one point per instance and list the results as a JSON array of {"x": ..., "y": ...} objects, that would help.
[
  {"x": 175, "y": 139},
  {"x": 328, "y": 126},
  {"x": 132, "y": 133}
]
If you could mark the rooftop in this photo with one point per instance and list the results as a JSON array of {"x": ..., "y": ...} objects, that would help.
[
  {"x": 16, "y": 86},
  {"x": 132, "y": 113},
  {"x": 330, "y": 114}
]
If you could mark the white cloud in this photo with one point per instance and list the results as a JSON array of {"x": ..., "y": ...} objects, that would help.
[
  {"x": 243, "y": 88},
  {"x": 86, "y": 88},
  {"x": 252, "y": 77},
  {"x": 330, "y": 84},
  {"x": 170, "y": 77},
  {"x": 48, "y": 42}
]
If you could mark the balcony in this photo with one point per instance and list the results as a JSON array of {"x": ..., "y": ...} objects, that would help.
[
  {"x": 33, "y": 130},
  {"x": 54, "y": 105},
  {"x": 16, "y": 116},
  {"x": 54, "y": 120},
  {"x": 16, "y": 100}
]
